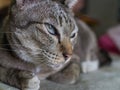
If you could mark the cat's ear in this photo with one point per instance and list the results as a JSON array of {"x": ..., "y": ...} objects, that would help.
[
  {"x": 21, "y": 3},
  {"x": 73, "y": 5}
]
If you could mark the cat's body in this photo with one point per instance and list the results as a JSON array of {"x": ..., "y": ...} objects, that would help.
[
  {"x": 89, "y": 55},
  {"x": 39, "y": 39}
]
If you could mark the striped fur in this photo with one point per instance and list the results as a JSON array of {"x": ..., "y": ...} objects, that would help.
[{"x": 29, "y": 51}]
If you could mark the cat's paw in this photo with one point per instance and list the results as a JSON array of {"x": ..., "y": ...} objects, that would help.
[
  {"x": 68, "y": 75},
  {"x": 31, "y": 84},
  {"x": 29, "y": 81},
  {"x": 89, "y": 66}
]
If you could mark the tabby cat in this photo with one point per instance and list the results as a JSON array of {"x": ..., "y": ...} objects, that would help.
[
  {"x": 38, "y": 43},
  {"x": 39, "y": 39}
]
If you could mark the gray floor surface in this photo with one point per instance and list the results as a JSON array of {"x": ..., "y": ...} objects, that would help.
[{"x": 107, "y": 78}]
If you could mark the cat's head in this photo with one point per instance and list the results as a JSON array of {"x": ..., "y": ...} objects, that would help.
[{"x": 43, "y": 32}]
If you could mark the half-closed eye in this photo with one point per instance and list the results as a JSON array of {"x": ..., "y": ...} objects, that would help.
[
  {"x": 51, "y": 29},
  {"x": 73, "y": 35}
]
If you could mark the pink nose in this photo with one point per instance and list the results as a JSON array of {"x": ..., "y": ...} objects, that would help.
[{"x": 66, "y": 56}]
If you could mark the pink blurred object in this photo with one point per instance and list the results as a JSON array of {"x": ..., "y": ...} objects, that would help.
[
  {"x": 106, "y": 43},
  {"x": 111, "y": 40}
]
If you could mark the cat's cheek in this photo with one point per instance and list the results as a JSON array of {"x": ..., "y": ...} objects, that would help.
[{"x": 73, "y": 42}]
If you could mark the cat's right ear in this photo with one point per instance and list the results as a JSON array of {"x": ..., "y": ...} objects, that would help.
[
  {"x": 74, "y": 5},
  {"x": 20, "y": 3}
]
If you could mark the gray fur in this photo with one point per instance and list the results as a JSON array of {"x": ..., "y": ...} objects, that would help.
[{"x": 31, "y": 51}]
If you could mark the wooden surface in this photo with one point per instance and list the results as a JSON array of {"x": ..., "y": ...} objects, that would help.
[{"x": 4, "y": 3}]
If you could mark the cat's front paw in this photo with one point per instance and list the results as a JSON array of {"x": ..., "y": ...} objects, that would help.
[
  {"x": 89, "y": 66},
  {"x": 29, "y": 81},
  {"x": 31, "y": 84},
  {"x": 68, "y": 75}
]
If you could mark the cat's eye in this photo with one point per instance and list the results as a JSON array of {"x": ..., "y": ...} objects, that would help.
[
  {"x": 51, "y": 29},
  {"x": 73, "y": 35}
]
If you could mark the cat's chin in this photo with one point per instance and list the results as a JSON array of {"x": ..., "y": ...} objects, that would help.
[
  {"x": 58, "y": 67},
  {"x": 55, "y": 68}
]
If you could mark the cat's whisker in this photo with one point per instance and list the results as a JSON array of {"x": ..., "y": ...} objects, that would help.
[
  {"x": 6, "y": 32},
  {"x": 16, "y": 45},
  {"x": 7, "y": 49},
  {"x": 12, "y": 44},
  {"x": 41, "y": 60},
  {"x": 20, "y": 45}
]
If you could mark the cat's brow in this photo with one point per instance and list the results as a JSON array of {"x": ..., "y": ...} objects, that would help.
[
  {"x": 27, "y": 25},
  {"x": 75, "y": 31}
]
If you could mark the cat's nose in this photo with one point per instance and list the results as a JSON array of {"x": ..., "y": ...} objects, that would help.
[{"x": 67, "y": 56}]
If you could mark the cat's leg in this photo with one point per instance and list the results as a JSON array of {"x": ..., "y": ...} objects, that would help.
[
  {"x": 90, "y": 64},
  {"x": 20, "y": 79},
  {"x": 9, "y": 76},
  {"x": 29, "y": 81},
  {"x": 68, "y": 75}
]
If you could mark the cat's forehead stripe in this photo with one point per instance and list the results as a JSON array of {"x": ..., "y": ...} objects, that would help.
[
  {"x": 57, "y": 15},
  {"x": 64, "y": 18}
]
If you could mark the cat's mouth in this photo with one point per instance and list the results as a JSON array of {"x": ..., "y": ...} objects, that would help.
[{"x": 56, "y": 61}]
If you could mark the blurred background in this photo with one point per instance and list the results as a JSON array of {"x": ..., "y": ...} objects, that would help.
[{"x": 106, "y": 12}]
